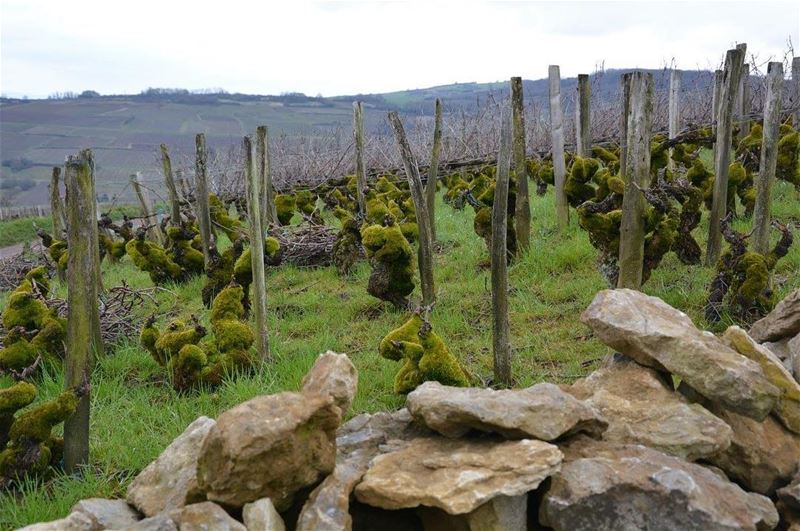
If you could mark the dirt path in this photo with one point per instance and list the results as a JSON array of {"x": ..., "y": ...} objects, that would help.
[{"x": 13, "y": 250}]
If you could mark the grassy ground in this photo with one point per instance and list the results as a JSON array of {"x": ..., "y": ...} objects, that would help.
[
  {"x": 22, "y": 230},
  {"x": 135, "y": 412}
]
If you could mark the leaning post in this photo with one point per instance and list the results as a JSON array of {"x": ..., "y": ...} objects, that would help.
[
  {"x": 501, "y": 341},
  {"x": 637, "y": 177},
  {"x": 84, "y": 342},
  {"x": 425, "y": 251},
  {"x": 522, "y": 208},
  {"x": 433, "y": 170},
  {"x": 734, "y": 60},
  {"x": 269, "y": 212},
  {"x": 769, "y": 157},
  {"x": 256, "y": 251},
  {"x": 201, "y": 196},
  {"x": 169, "y": 180}
]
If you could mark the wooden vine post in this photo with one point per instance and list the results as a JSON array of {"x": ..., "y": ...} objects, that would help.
[
  {"x": 201, "y": 196},
  {"x": 56, "y": 205},
  {"x": 501, "y": 341},
  {"x": 361, "y": 170},
  {"x": 734, "y": 60},
  {"x": 143, "y": 194},
  {"x": 522, "y": 208},
  {"x": 425, "y": 251},
  {"x": 743, "y": 103},
  {"x": 769, "y": 157},
  {"x": 715, "y": 99},
  {"x": 674, "y": 111},
  {"x": 433, "y": 170},
  {"x": 83, "y": 319},
  {"x": 636, "y": 176},
  {"x": 256, "y": 251},
  {"x": 169, "y": 180},
  {"x": 583, "y": 133},
  {"x": 625, "y": 92},
  {"x": 795, "y": 94},
  {"x": 557, "y": 136},
  {"x": 269, "y": 212}
]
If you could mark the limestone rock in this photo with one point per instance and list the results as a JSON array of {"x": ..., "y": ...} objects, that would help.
[
  {"x": 503, "y": 513},
  {"x": 107, "y": 514},
  {"x": 456, "y": 475},
  {"x": 542, "y": 412},
  {"x": 783, "y": 321},
  {"x": 358, "y": 441},
  {"x": 657, "y": 335},
  {"x": 205, "y": 516},
  {"x": 269, "y": 447},
  {"x": 262, "y": 516},
  {"x": 642, "y": 408},
  {"x": 611, "y": 487},
  {"x": 762, "y": 456},
  {"x": 788, "y": 407},
  {"x": 73, "y": 522},
  {"x": 333, "y": 375},
  {"x": 170, "y": 481},
  {"x": 161, "y": 522}
]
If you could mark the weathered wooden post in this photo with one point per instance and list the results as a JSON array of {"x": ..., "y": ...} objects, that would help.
[
  {"x": 175, "y": 207},
  {"x": 361, "y": 171},
  {"x": 796, "y": 91},
  {"x": 522, "y": 208},
  {"x": 269, "y": 212},
  {"x": 501, "y": 341},
  {"x": 557, "y": 136},
  {"x": 769, "y": 157},
  {"x": 583, "y": 133},
  {"x": 734, "y": 60},
  {"x": 637, "y": 176},
  {"x": 743, "y": 103},
  {"x": 425, "y": 251},
  {"x": 674, "y": 110},
  {"x": 256, "y": 251},
  {"x": 143, "y": 194},
  {"x": 201, "y": 196},
  {"x": 83, "y": 319},
  {"x": 433, "y": 170},
  {"x": 56, "y": 205},
  {"x": 625, "y": 92}
]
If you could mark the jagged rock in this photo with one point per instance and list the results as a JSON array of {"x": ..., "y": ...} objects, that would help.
[
  {"x": 205, "y": 517},
  {"x": 783, "y": 321},
  {"x": 269, "y": 447},
  {"x": 790, "y": 494},
  {"x": 762, "y": 456},
  {"x": 262, "y": 516},
  {"x": 358, "y": 441},
  {"x": 73, "y": 522},
  {"x": 107, "y": 514},
  {"x": 170, "y": 481},
  {"x": 161, "y": 522},
  {"x": 456, "y": 475},
  {"x": 641, "y": 407},
  {"x": 657, "y": 335},
  {"x": 788, "y": 407},
  {"x": 333, "y": 375},
  {"x": 603, "y": 486},
  {"x": 542, "y": 412}
]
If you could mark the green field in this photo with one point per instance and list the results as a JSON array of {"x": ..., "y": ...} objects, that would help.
[{"x": 136, "y": 413}]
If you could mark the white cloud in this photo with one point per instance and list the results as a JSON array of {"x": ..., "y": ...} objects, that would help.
[{"x": 340, "y": 48}]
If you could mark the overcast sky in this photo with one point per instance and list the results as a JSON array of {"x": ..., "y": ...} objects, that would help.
[{"x": 332, "y": 48}]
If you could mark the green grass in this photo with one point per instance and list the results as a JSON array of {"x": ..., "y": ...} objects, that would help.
[
  {"x": 21, "y": 230},
  {"x": 135, "y": 412}
]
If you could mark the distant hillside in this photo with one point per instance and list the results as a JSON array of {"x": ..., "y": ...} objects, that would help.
[{"x": 125, "y": 130}]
